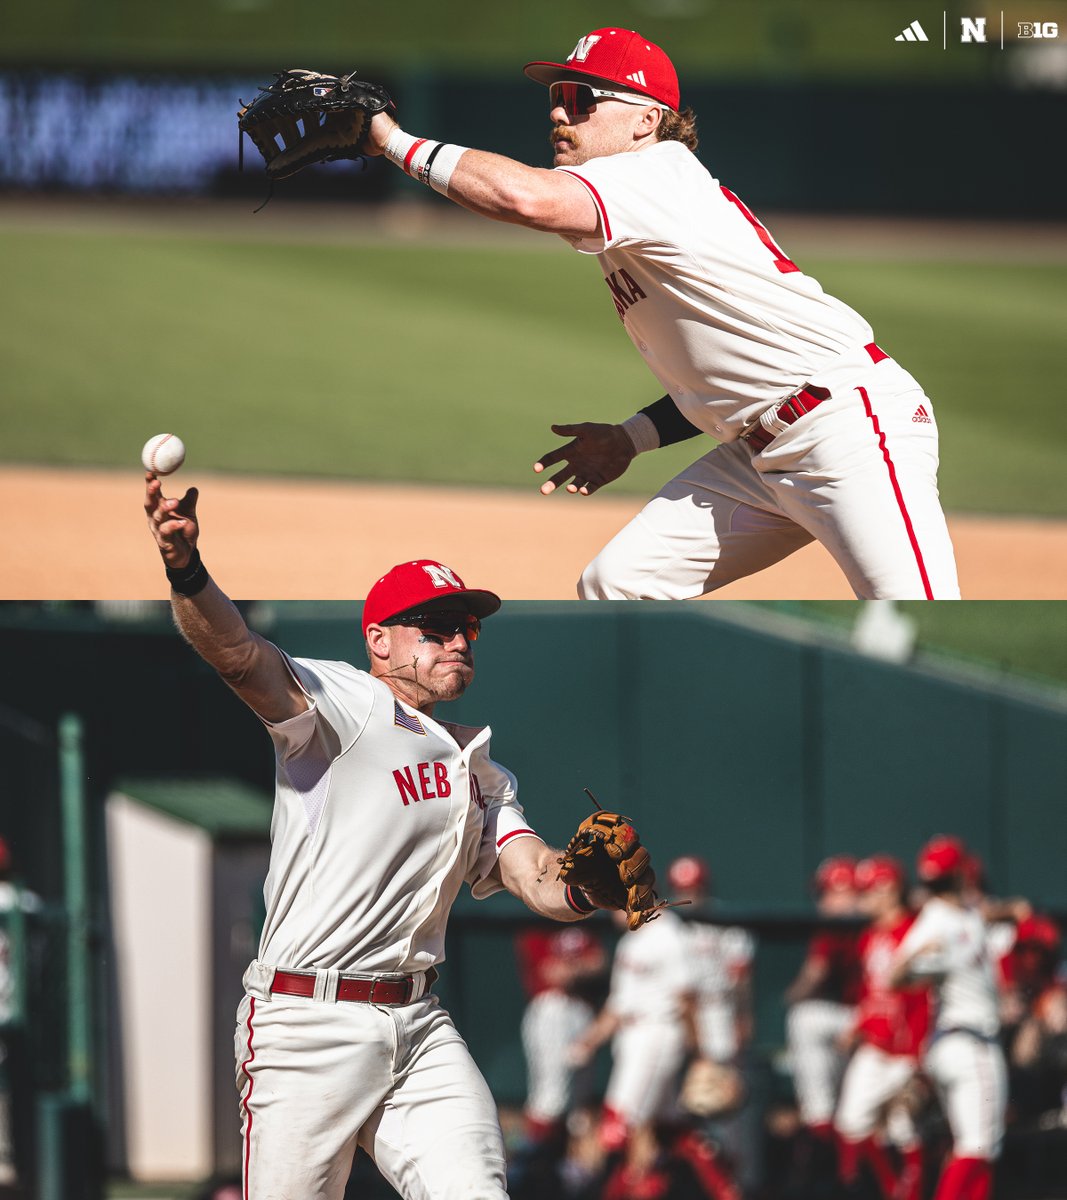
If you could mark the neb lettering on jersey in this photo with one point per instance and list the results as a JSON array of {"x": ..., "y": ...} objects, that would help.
[
  {"x": 426, "y": 782},
  {"x": 625, "y": 291}
]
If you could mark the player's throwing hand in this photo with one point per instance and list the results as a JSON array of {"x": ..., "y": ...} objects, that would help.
[
  {"x": 598, "y": 454},
  {"x": 172, "y": 522}
]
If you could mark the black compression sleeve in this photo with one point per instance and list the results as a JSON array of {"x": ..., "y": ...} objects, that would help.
[{"x": 670, "y": 424}]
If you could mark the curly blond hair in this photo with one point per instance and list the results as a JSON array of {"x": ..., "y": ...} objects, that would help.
[{"x": 678, "y": 127}]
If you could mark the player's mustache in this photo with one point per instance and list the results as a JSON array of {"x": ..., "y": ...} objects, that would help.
[{"x": 560, "y": 134}]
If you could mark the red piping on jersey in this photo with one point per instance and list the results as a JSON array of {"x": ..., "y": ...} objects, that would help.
[
  {"x": 596, "y": 200},
  {"x": 897, "y": 492},
  {"x": 513, "y": 833},
  {"x": 248, "y": 1094}
]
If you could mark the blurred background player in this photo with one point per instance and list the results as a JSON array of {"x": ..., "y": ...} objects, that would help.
[
  {"x": 821, "y": 1004},
  {"x": 888, "y": 1034},
  {"x": 558, "y": 1015},
  {"x": 649, "y": 1019},
  {"x": 721, "y": 958},
  {"x": 947, "y": 946}
]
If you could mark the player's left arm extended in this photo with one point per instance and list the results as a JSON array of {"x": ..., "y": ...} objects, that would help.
[
  {"x": 491, "y": 185},
  {"x": 527, "y": 868}
]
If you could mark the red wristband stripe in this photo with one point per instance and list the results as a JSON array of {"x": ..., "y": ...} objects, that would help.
[
  {"x": 411, "y": 154},
  {"x": 577, "y": 900}
]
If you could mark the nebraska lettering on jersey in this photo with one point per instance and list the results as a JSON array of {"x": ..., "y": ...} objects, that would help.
[
  {"x": 625, "y": 291},
  {"x": 426, "y": 782}
]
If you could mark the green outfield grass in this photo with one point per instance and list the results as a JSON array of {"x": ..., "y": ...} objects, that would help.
[{"x": 447, "y": 364}]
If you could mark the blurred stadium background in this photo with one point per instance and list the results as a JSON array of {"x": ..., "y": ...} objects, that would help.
[
  {"x": 140, "y": 282},
  {"x": 137, "y": 803}
]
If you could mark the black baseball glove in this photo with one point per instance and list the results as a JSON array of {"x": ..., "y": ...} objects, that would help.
[{"x": 315, "y": 118}]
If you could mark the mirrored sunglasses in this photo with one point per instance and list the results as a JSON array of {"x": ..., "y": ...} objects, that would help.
[
  {"x": 442, "y": 625},
  {"x": 579, "y": 98}
]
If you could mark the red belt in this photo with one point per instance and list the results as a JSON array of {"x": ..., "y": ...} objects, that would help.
[
  {"x": 801, "y": 402},
  {"x": 397, "y": 990}
]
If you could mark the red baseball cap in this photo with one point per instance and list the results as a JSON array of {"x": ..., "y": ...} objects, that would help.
[
  {"x": 941, "y": 856},
  {"x": 835, "y": 873},
  {"x": 878, "y": 869},
  {"x": 619, "y": 57},
  {"x": 572, "y": 943},
  {"x": 419, "y": 584},
  {"x": 688, "y": 873},
  {"x": 1038, "y": 929}
]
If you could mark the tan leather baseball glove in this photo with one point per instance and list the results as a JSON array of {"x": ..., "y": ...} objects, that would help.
[{"x": 606, "y": 860}]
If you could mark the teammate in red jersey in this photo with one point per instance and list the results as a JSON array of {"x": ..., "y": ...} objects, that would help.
[{"x": 890, "y": 1029}]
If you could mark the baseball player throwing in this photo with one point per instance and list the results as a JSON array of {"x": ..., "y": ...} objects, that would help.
[
  {"x": 947, "y": 946},
  {"x": 382, "y": 812},
  {"x": 823, "y": 435}
]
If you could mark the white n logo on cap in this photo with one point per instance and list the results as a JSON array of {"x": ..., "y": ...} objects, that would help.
[
  {"x": 581, "y": 52},
  {"x": 441, "y": 577}
]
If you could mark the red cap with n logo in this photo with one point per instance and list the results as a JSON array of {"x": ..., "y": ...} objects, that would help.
[
  {"x": 619, "y": 58},
  {"x": 423, "y": 584}
]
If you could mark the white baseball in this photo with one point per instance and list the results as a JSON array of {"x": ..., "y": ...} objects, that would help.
[{"x": 163, "y": 454}]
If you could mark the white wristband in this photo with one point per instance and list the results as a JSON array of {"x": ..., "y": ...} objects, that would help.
[
  {"x": 411, "y": 154},
  {"x": 399, "y": 145},
  {"x": 442, "y": 164},
  {"x": 423, "y": 159},
  {"x": 641, "y": 430}
]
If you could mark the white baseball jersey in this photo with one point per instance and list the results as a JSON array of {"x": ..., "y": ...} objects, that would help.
[
  {"x": 719, "y": 957},
  {"x": 957, "y": 956},
  {"x": 381, "y": 814},
  {"x": 724, "y": 320},
  {"x": 964, "y": 1059},
  {"x": 732, "y": 327},
  {"x": 651, "y": 972}
]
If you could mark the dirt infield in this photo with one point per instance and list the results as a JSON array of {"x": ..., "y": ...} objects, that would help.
[{"x": 79, "y": 534}]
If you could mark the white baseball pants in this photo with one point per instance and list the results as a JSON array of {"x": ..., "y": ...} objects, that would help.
[
  {"x": 552, "y": 1022},
  {"x": 813, "y": 1028},
  {"x": 972, "y": 1084},
  {"x": 316, "y": 1079},
  {"x": 872, "y": 1079},
  {"x": 646, "y": 1060},
  {"x": 858, "y": 473}
]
